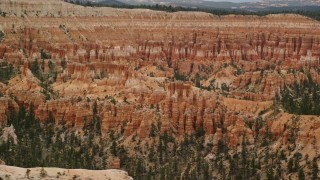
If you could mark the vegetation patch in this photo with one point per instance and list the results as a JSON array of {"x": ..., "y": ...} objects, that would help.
[{"x": 302, "y": 99}]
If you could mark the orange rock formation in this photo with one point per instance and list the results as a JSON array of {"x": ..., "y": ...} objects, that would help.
[{"x": 128, "y": 62}]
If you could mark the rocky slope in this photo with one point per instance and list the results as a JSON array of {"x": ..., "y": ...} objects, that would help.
[{"x": 187, "y": 70}]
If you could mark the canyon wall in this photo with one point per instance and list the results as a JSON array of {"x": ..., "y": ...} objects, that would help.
[{"x": 187, "y": 70}]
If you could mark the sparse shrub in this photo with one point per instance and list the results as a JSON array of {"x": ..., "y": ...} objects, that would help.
[
  {"x": 43, "y": 173},
  {"x": 28, "y": 173},
  {"x": 1, "y": 35}
]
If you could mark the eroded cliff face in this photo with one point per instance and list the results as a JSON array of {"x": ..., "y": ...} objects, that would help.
[{"x": 186, "y": 70}]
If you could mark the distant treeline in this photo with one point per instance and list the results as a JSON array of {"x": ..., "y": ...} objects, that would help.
[{"x": 309, "y": 11}]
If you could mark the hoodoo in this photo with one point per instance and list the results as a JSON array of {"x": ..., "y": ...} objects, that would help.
[{"x": 164, "y": 95}]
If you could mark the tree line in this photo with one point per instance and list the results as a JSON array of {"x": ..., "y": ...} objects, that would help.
[{"x": 309, "y": 11}]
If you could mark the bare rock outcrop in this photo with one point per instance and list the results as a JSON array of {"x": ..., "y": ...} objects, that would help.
[{"x": 11, "y": 172}]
